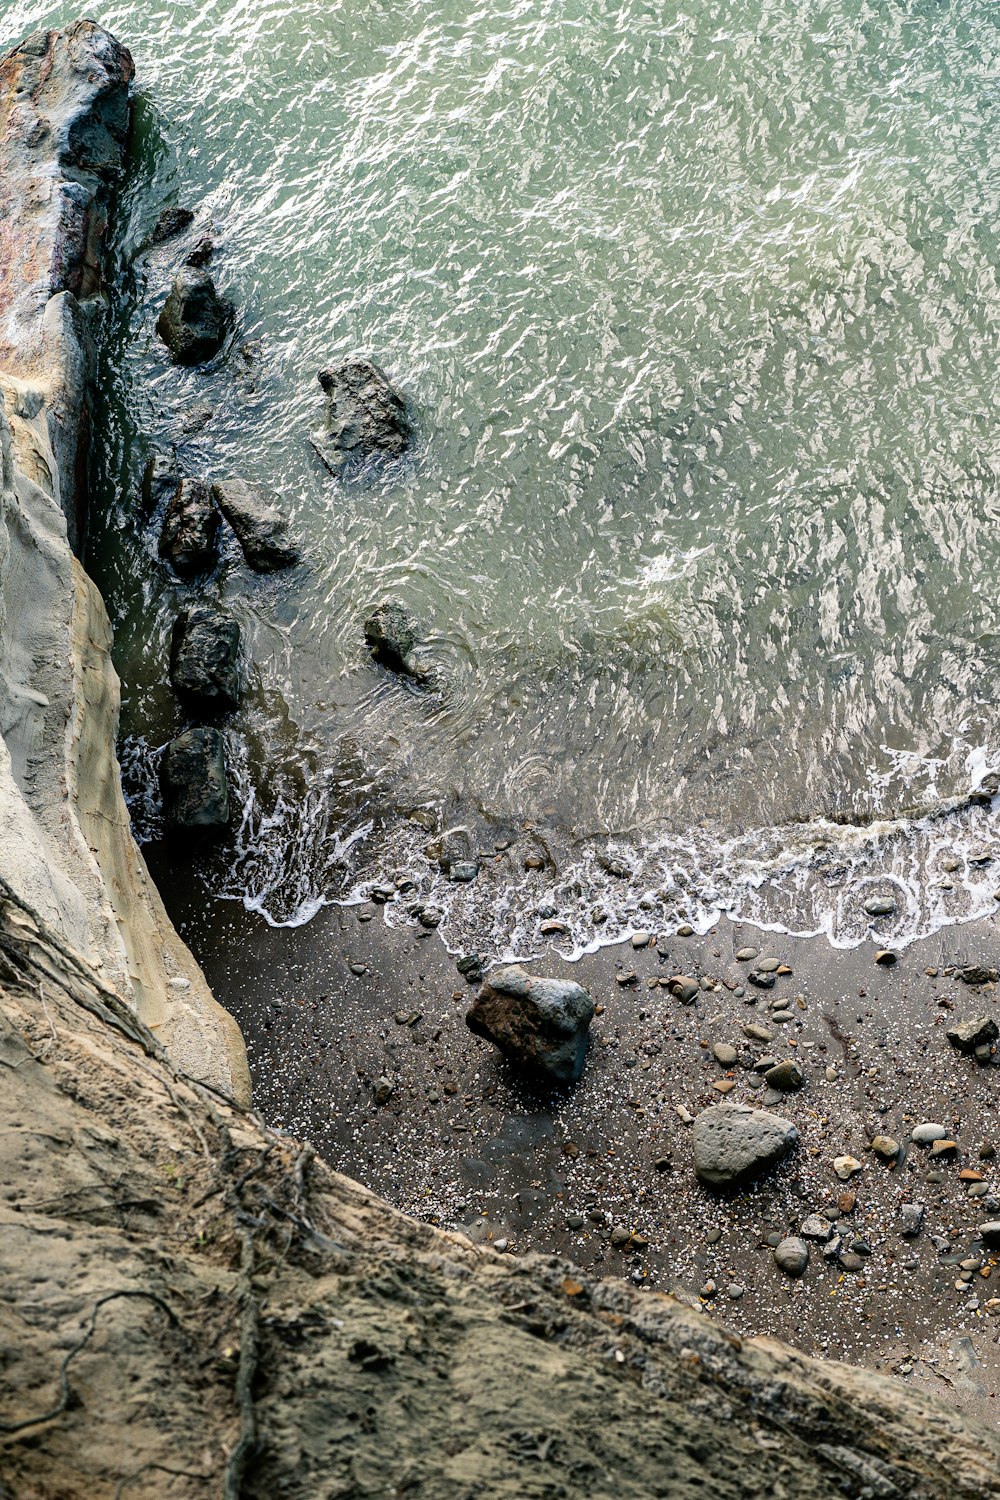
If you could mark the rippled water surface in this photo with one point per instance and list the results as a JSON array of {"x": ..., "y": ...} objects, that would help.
[{"x": 697, "y": 310}]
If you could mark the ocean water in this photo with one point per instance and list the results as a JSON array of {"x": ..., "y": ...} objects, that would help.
[{"x": 696, "y": 308}]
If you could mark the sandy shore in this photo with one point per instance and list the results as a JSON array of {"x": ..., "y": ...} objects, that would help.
[{"x": 460, "y": 1144}]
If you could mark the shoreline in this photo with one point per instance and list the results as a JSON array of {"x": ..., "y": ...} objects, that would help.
[{"x": 459, "y": 1144}]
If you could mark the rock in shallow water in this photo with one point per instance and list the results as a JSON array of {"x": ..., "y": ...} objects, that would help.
[
  {"x": 732, "y": 1143},
  {"x": 365, "y": 415},
  {"x": 260, "y": 528},
  {"x": 204, "y": 662},
  {"x": 195, "y": 791},
  {"x": 391, "y": 637},
  {"x": 189, "y": 539},
  {"x": 195, "y": 319},
  {"x": 540, "y": 1025}
]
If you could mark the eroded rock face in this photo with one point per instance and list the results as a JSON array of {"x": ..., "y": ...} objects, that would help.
[
  {"x": 189, "y": 541},
  {"x": 260, "y": 528},
  {"x": 365, "y": 416},
  {"x": 195, "y": 789},
  {"x": 204, "y": 659},
  {"x": 540, "y": 1025},
  {"x": 195, "y": 320},
  {"x": 733, "y": 1144}
]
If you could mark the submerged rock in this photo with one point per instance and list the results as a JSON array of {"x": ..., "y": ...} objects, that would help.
[
  {"x": 540, "y": 1025},
  {"x": 391, "y": 637},
  {"x": 365, "y": 416},
  {"x": 204, "y": 659},
  {"x": 189, "y": 538},
  {"x": 195, "y": 319},
  {"x": 172, "y": 221},
  {"x": 160, "y": 482},
  {"x": 732, "y": 1143},
  {"x": 260, "y": 528},
  {"x": 195, "y": 790}
]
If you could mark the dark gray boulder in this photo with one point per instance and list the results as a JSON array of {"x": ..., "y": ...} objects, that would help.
[
  {"x": 172, "y": 222},
  {"x": 195, "y": 790},
  {"x": 160, "y": 482},
  {"x": 732, "y": 1143},
  {"x": 977, "y": 1032},
  {"x": 195, "y": 319},
  {"x": 365, "y": 416},
  {"x": 260, "y": 528},
  {"x": 189, "y": 539},
  {"x": 204, "y": 659},
  {"x": 391, "y": 637},
  {"x": 540, "y": 1025}
]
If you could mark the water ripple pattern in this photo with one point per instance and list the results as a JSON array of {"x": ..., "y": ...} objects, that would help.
[{"x": 697, "y": 311}]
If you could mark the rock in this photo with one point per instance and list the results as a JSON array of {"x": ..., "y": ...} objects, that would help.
[
  {"x": 769, "y": 965},
  {"x": 172, "y": 222},
  {"x": 846, "y": 1202},
  {"x": 975, "y": 974},
  {"x": 189, "y": 538},
  {"x": 746, "y": 955},
  {"x": 846, "y": 1167},
  {"x": 968, "y": 1035},
  {"x": 927, "y": 1133},
  {"x": 201, "y": 252},
  {"x": 886, "y": 957},
  {"x": 943, "y": 1147},
  {"x": 204, "y": 660},
  {"x": 725, "y": 1054},
  {"x": 260, "y": 528},
  {"x": 195, "y": 320},
  {"x": 786, "y": 1077},
  {"x": 815, "y": 1227},
  {"x": 463, "y": 871},
  {"x": 195, "y": 791},
  {"x": 762, "y": 980},
  {"x": 792, "y": 1256},
  {"x": 540, "y": 1025},
  {"x": 732, "y": 1143},
  {"x": 383, "y": 1090},
  {"x": 734, "y": 1291},
  {"x": 365, "y": 417},
  {"x": 160, "y": 483},
  {"x": 911, "y": 1218},
  {"x": 850, "y": 1260},
  {"x": 990, "y": 1232},
  {"x": 684, "y": 988},
  {"x": 885, "y": 1147},
  {"x": 880, "y": 906},
  {"x": 757, "y": 1033},
  {"x": 641, "y": 939},
  {"x": 391, "y": 637}
]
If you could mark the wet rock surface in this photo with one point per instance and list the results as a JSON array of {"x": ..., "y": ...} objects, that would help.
[
  {"x": 261, "y": 529},
  {"x": 172, "y": 221},
  {"x": 540, "y": 1025},
  {"x": 189, "y": 539},
  {"x": 195, "y": 320},
  {"x": 365, "y": 415},
  {"x": 195, "y": 788},
  {"x": 392, "y": 637},
  {"x": 205, "y": 658}
]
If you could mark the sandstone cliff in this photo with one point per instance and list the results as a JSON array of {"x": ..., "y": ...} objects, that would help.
[{"x": 65, "y": 843}]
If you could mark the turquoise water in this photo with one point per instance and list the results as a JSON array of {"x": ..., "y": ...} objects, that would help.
[{"x": 697, "y": 311}]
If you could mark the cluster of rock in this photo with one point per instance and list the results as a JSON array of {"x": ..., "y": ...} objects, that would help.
[{"x": 191, "y": 512}]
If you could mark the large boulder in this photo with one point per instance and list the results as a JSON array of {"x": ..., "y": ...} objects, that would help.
[
  {"x": 391, "y": 637},
  {"x": 204, "y": 659},
  {"x": 195, "y": 790},
  {"x": 540, "y": 1025},
  {"x": 365, "y": 416},
  {"x": 195, "y": 319},
  {"x": 190, "y": 537},
  {"x": 733, "y": 1143},
  {"x": 260, "y": 528}
]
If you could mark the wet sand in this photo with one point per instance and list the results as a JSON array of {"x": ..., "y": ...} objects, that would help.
[{"x": 461, "y": 1144}]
